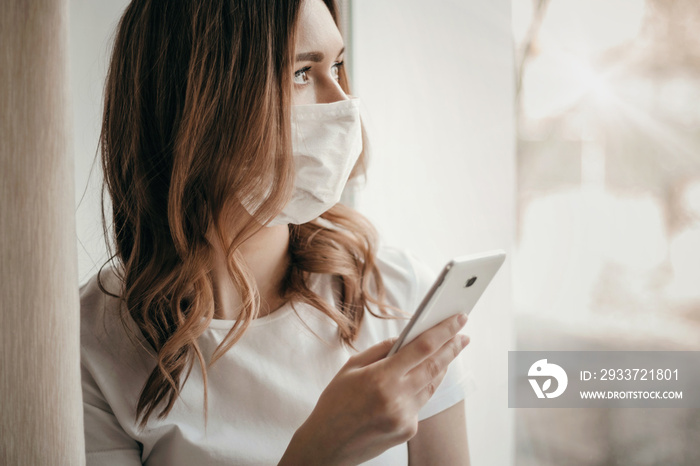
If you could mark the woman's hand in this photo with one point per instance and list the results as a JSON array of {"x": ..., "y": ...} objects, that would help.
[{"x": 372, "y": 403}]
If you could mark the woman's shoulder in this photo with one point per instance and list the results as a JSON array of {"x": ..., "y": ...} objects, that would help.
[
  {"x": 115, "y": 358},
  {"x": 104, "y": 325},
  {"x": 100, "y": 295}
]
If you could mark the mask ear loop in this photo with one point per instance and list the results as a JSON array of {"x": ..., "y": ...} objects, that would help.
[
  {"x": 356, "y": 184},
  {"x": 353, "y": 187}
]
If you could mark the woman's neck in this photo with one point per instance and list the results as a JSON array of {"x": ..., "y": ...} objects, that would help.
[{"x": 266, "y": 254}]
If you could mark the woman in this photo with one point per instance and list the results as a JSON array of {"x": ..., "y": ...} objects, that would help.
[{"x": 228, "y": 136}]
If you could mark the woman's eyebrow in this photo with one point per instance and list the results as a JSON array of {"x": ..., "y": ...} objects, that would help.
[{"x": 314, "y": 56}]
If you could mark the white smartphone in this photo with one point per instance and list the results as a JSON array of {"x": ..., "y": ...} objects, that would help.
[{"x": 455, "y": 291}]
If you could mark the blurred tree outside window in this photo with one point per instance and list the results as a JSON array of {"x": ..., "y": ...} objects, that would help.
[{"x": 608, "y": 247}]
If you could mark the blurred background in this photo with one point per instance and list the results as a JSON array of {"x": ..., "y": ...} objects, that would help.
[{"x": 608, "y": 210}]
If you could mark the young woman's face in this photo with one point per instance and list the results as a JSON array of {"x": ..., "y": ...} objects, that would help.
[{"x": 318, "y": 56}]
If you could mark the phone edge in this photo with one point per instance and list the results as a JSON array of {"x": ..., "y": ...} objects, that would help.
[{"x": 421, "y": 307}]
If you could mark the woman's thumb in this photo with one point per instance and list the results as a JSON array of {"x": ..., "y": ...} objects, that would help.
[{"x": 371, "y": 354}]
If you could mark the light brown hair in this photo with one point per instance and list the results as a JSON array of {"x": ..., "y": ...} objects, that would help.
[{"x": 196, "y": 121}]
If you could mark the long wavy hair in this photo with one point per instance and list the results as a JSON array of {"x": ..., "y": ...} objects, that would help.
[{"x": 196, "y": 123}]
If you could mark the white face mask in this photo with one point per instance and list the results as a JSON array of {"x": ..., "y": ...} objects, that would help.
[{"x": 326, "y": 143}]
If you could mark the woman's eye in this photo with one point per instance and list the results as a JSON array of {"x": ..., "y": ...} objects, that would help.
[
  {"x": 300, "y": 76},
  {"x": 336, "y": 70}
]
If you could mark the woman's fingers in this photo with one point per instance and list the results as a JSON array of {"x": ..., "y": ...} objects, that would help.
[
  {"x": 371, "y": 354},
  {"x": 427, "y": 375},
  {"x": 426, "y": 344},
  {"x": 429, "y": 390}
]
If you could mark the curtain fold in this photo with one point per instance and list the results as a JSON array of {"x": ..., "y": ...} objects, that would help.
[{"x": 40, "y": 398}]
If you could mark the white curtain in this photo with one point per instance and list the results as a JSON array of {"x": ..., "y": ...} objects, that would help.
[{"x": 40, "y": 398}]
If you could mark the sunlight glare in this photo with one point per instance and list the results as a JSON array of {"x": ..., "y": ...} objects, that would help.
[{"x": 555, "y": 81}]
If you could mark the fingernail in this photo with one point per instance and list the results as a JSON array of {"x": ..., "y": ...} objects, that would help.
[
  {"x": 462, "y": 319},
  {"x": 464, "y": 340}
]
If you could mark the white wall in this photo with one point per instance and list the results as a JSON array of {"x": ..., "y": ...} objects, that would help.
[
  {"x": 436, "y": 80},
  {"x": 92, "y": 24}
]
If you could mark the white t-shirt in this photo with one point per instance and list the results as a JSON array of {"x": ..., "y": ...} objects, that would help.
[{"x": 260, "y": 391}]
